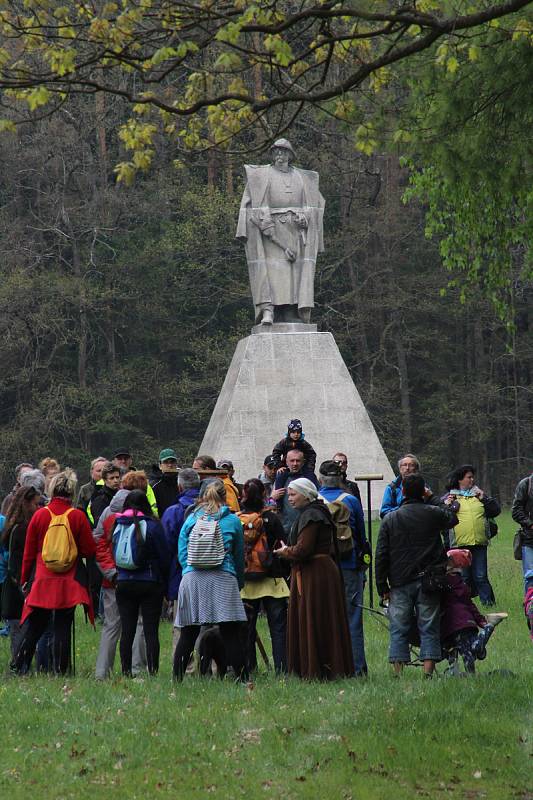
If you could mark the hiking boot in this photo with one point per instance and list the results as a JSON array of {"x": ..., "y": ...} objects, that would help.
[{"x": 496, "y": 618}]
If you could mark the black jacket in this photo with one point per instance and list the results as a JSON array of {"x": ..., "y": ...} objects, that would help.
[
  {"x": 165, "y": 486},
  {"x": 352, "y": 488},
  {"x": 100, "y": 500},
  {"x": 12, "y": 597},
  {"x": 409, "y": 541},
  {"x": 522, "y": 509},
  {"x": 281, "y": 449}
]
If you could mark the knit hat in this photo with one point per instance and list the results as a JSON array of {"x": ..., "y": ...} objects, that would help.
[
  {"x": 460, "y": 558},
  {"x": 306, "y": 487},
  {"x": 294, "y": 425}
]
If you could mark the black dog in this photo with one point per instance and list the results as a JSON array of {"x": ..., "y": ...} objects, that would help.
[{"x": 211, "y": 648}]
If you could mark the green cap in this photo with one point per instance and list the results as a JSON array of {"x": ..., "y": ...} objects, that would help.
[{"x": 167, "y": 453}]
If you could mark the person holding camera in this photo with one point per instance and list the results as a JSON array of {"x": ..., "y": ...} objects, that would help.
[{"x": 474, "y": 511}]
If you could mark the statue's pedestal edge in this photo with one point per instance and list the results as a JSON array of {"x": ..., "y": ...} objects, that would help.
[{"x": 285, "y": 327}]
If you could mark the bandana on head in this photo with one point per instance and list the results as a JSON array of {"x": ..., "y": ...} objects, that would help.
[{"x": 306, "y": 487}]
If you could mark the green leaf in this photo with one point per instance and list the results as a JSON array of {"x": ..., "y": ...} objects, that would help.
[
  {"x": 7, "y": 126},
  {"x": 38, "y": 97}
]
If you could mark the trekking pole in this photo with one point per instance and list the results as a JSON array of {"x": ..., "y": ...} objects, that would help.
[{"x": 369, "y": 479}]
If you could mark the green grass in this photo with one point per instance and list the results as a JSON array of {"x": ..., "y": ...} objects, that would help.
[{"x": 380, "y": 739}]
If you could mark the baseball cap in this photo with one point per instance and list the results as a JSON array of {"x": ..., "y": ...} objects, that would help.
[
  {"x": 121, "y": 451},
  {"x": 167, "y": 453},
  {"x": 270, "y": 461},
  {"x": 224, "y": 463}
]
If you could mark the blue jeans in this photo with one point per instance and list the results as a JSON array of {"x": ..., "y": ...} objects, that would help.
[
  {"x": 406, "y": 602},
  {"x": 476, "y": 576},
  {"x": 354, "y": 584},
  {"x": 527, "y": 566}
]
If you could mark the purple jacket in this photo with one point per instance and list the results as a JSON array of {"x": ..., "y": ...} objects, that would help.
[
  {"x": 172, "y": 521},
  {"x": 458, "y": 610}
]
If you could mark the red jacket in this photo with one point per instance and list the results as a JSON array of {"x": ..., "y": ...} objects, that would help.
[
  {"x": 56, "y": 589},
  {"x": 104, "y": 553}
]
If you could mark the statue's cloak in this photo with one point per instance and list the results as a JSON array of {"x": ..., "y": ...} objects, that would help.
[{"x": 273, "y": 278}]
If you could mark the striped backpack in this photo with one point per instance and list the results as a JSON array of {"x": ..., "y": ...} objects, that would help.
[{"x": 205, "y": 549}]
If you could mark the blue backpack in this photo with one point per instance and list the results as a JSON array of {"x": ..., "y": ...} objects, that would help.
[{"x": 129, "y": 543}]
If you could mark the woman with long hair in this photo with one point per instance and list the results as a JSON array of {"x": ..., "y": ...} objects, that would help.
[
  {"x": 318, "y": 636},
  {"x": 475, "y": 510},
  {"x": 22, "y": 508},
  {"x": 141, "y": 585},
  {"x": 210, "y": 595},
  {"x": 264, "y": 573},
  {"x": 48, "y": 590}
]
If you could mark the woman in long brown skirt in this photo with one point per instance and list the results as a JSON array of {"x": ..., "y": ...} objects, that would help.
[{"x": 318, "y": 637}]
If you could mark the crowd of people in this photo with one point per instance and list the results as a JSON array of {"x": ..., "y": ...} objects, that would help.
[{"x": 192, "y": 545}]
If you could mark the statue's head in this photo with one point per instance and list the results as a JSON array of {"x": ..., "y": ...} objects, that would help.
[{"x": 282, "y": 152}]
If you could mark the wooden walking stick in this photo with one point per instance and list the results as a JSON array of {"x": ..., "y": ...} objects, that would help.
[{"x": 262, "y": 650}]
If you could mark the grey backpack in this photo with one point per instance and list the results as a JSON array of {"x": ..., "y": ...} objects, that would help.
[{"x": 205, "y": 549}]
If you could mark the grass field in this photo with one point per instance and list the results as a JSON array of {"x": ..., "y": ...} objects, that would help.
[{"x": 379, "y": 739}]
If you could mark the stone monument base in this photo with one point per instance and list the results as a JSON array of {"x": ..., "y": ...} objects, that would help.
[
  {"x": 285, "y": 327},
  {"x": 285, "y": 372}
]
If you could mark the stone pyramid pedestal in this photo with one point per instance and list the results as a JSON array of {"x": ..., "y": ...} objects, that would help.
[{"x": 285, "y": 371}]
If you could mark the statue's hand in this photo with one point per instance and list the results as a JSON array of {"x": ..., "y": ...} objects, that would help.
[{"x": 291, "y": 255}]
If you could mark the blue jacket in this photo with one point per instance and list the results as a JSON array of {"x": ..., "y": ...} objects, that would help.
[
  {"x": 232, "y": 533},
  {"x": 392, "y": 497},
  {"x": 158, "y": 555},
  {"x": 357, "y": 523},
  {"x": 172, "y": 520}
]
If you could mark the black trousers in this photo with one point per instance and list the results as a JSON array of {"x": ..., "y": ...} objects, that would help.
[
  {"x": 276, "y": 611},
  {"x": 33, "y": 629},
  {"x": 95, "y": 578},
  {"x": 146, "y": 597},
  {"x": 233, "y": 652}
]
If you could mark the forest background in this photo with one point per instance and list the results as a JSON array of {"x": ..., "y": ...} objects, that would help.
[{"x": 121, "y": 305}]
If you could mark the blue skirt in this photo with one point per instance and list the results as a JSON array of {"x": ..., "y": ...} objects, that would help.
[{"x": 207, "y": 597}]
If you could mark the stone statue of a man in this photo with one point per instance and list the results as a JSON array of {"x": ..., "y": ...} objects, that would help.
[{"x": 281, "y": 222}]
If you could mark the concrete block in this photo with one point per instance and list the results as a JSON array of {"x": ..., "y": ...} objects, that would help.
[{"x": 274, "y": 377}]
